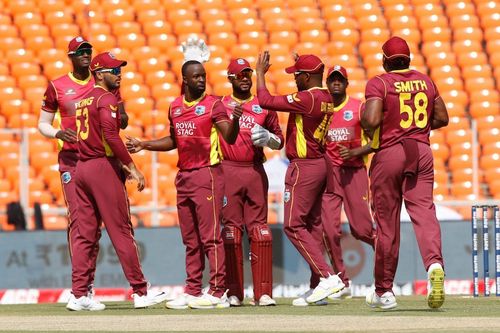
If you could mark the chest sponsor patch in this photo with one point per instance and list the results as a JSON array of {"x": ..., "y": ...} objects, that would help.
[
  {"x": 256, "y": 109},
  {"x": 348, "y": 115},
  {"x": 199, "y": 110},
  {"x": 70, "y": 91}
]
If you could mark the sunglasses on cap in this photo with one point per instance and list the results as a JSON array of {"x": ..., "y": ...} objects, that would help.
[
  {"x": 242, "y": 75},
  {"x": 114, "y": 71},
  {"x": 81, "y": 52},
  {"x": 295, "y": 74}
]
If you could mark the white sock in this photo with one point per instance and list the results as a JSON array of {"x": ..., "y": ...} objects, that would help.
[{"x": 434, "y": 266}]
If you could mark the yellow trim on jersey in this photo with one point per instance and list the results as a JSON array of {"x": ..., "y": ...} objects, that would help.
[
  {"x": 214, "y": 146},
  {"x": 242, "y": 101},
  {"x": 400, "y": 70},
  {"x": 107, "y": 148},
  {"x": 300, "y": 138},
  {"x": 364, "y": 142},
  {"x": 376, "y": 138},
  {"x": 338, "y": 108},
  {"x": 77, "y": 81},
  {"x": 196, "y": 101}
]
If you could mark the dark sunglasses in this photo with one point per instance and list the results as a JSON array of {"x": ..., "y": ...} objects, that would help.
[
  {"x": 114, "y": 71},
  {"x": 81, "y": 52},
  {"x": 242, "y": 75},
  {"x": 295, "y": 74}
]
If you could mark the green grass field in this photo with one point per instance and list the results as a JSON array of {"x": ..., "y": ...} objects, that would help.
[{"x": 459, "y": 314}]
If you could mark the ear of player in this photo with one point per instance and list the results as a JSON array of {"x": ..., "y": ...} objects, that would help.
[
  {"x": 195, "y": 49},
  {"x": 263, "y": 138}
]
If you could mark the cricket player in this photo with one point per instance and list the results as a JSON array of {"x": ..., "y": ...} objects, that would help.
[
  {"x": 310, "y": 109},
  {"x": 402, "y": 106},
  {"x": 59, "y": 103},
  {"x": 100, "y": 189},
  {"x": 246, "y": 187},
  {"x": 196, "y": 119},
  {"x": 348, "y": 180}
]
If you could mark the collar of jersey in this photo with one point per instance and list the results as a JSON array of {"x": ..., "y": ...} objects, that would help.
[
  {"x": 82, "y": 82},
  {"x": 241, "y": 101},
  {"x": 400, "y": 70},
  {"x": 196, "y": 101},
  {"x": 338, "y": 108},
  {"x": 99, "y": 86},
  {"x": 312, "y": 88}
]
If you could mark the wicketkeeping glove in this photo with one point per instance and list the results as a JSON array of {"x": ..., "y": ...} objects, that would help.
[
  {"x": 195, "y": 49},
  {"x": 261, "y": 137}
]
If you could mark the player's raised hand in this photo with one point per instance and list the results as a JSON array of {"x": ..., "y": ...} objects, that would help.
[
  {"x": 195, "y": 49},
  {"x": 133, "y": 145},
  {"x": 263, "y": 64},
  {"x": 237, "y": 111},
  {"x": 67, "y": 135}
]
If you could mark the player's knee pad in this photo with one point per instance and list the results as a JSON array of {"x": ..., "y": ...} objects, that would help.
[
  {"x": 231, "y": 236},
  {"x": 261, "y": 256}
]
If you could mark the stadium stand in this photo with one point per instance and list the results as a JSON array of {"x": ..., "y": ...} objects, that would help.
[{"x": 456, "y": 42}]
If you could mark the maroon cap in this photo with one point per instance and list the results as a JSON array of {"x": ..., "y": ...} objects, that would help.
[
  {"x": 396, "y": 47},
  {"x": 106, "y": 60},
  {"x": 76, "y": 43},
  {"x": 307, "y": 63},
  {"x": 237, "y": 66},
  {"x": 337, "y": 68}
]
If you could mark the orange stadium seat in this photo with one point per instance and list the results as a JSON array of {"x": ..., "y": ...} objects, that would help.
[
  {"x": 253, "y": 37},
  {"x": 129, "y": 78},
  {"x": 57, "y": 17},
  {"x": 15, "y": 56},
  {"x": 491, "y": 148},
  {"x": 487, "y": 123},
  {"x": 149, "y": 64},
  {"x": 163, "y": 90},
  {"x": 459, "y": 8},
  {"x": 102, "y": 42},
  {"x": 489, "y": 135},
  {"x": 24, "y": 68},
  {"x": 9, "y": 93},
  {"x": 7, "y": 81},
  {"x": 218, "y": 25},
  {"x": 97, "y": 28},
  {"x": 30, "y": 17},
  {"x": 157, "y": 27},
  {"x": 464, "y": 21},
  {"x": 8, "y": 31},
  {"x": 125, "y": 14},
  {"x": 164, "y": 42},
  {"x": 55, "y": 222},
  {"x": 242, "y": 14},
  {"x": 145, "y": 4},
  {"x": 125, "y": 28},
  {"x": 64, "y": 30},
  {"x": 150, "y": 15},
  {"x": 134, "y": 91},
  {"x": 485, "y": 95},
  {"x": 314, "y": 36},
  {"x": 10, "y": 43},
  {"x": 159, "y": 76},
  {"x": 11, "y": 107},
  {"x": 56, "y": 69},
  {"x": 131, "y": 41},
  {"x": 274, "y": 14},
  {"x": 400, "y": 14},
  {"x": 491, "y": 161},
  {"x": 280, "y": 24},
  {"x": 483, "y": 109}
]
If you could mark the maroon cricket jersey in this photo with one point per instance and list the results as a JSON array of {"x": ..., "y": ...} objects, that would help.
[
  {"x": 193, "y": 127},
  {"x": 345, "y": 129},
  {"x": 243, "y": 150},
  {"x": 98, "y": 126},
  {"x": 408, "y": 98},
  {"x": 310, "y": 114}
]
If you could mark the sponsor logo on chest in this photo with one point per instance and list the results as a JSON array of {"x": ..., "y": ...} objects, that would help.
[
  {"x": 185, "y": 128},
  {"x": 70, "y": 91},
  {"x": 339, "y": 134},
  {"x": 177, "y": 111},
  {"x": 246, "y": 121}
]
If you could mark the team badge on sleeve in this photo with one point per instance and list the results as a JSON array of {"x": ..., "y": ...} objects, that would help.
[
  {"x": 66, "y": 177},
  {"x": 286, "y": 196},
  {"x": 289, "y": 98},
  {"x": 224, "y": 201},
  {"x": 199, "y": 110},
  {"x": 256, "y": 109},
  {"x": 348, "y": 115}
]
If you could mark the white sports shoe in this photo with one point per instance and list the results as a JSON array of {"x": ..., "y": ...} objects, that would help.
[
  {"x": 385, "y": 302},
  {"x": 234, "y": 301},
  {"x": 342, "y": 294},
  {"x": 301, "y": 300},
  {"x": 264, "y": 300},
  {"x": 435, "y": 286},
  {"x": 207, "y": 301},
  {"x": 180, "y": 302},
  {"x": 325, "y": 288},
  {"x": 149, "y": 299},
  {"x": 84, "y": 303}
]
